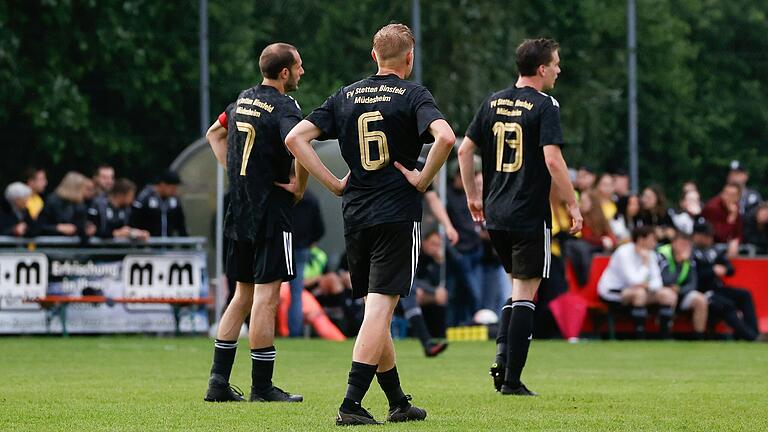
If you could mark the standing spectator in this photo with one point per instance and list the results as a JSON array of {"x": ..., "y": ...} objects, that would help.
[
  {"x": 756, "y": 229},
  {"x": 750, "y": 198},
  {"x": 36, "y": 179},
  {"x": 110, "y": 213},
  {"x": 14, "y": 217},
  {"x": 89, "y": 192},
  {"x": 308, "y": 229},
  {"x": 654, "y": 212},
  {"x": 633, "y": 279},
  {"x": 725, "y": 301},
  {"x": 620, "y": 185},
  {"x": 464, "y": 271},
  {"x": 678, "y": 271},
  {"x": 497, "y": 286},
  {"x": 689, "y": 212},
  {"x": 103, "y": 179},
  {"x": 604, "y": 196},
  {"x": 722, "y": 211},
  {"x": 585, "y": 179},
  {"x": 158, "y": 210},
  {"x": 65, "y": 212}
]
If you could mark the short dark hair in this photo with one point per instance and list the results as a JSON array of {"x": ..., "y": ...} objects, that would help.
[
  {"x": 30, "y": 173},
  {"x": 100, "y": 167},
  {"x": 642, "y": 232},
  {"x": 680, "y": 235},
  {"x": 533, "y": 53},
  {"x": 122, "y": 186},
  {"x": 275, "y": 58}
]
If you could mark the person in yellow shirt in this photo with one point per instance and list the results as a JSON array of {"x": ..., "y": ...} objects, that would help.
[{"x": 36, "y": 179}]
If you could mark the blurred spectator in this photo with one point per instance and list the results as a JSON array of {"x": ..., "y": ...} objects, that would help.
[
  {"x": 158, "y": 210},
  {"x": 496, "y": 285},
  {"x": 756, "y": 229},
  {"x": 14, "y": 217},
  {"x": 620, "y": 185},
  {"x": 749, "y": 198},
  {"x": 678, "y": 272},
  {"x": 689, "y": 212},
  {"x": 65, "y": 212},
  {"x": 103, "y": 179},
  {"x": 585, "y": 179},
  {"x": 604, "y": 196},
  {"x": 552, "y": 287},
  {"x": 110, "y": 213},
  {"x": 626, "y": 220},
  {"x": 654, "y": 212},
  {"x": 89, "y": 192},
  {"x": 722, "y": 211},
  {"x": 308, "y": 229},
  {"x": 689, "y": 186},
  {"x": 464, "y": 270},
  {"x": 36, "y": 179},
  {"x": 633, "y": 280},
  {"x": 725, "y": 301},
  {"x": 353, "y": 308},
  {"x": 441, "y": 214},
  {"x": 596, "y": 230}
]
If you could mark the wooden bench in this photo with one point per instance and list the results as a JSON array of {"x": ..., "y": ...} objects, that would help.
[{"x": 56, "y": 305}]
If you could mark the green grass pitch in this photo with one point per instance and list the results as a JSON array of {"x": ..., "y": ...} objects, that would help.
[{"x": 152, "y": 384}]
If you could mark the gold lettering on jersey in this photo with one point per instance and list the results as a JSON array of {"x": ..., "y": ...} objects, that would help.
[
  {"x": 244, "y": 101},
  {"x": 517, "y": 103},
  {"x": 255, "y": 102},
  {"x": 525, "y": 104},
  {"x": 370, "y": 100},
  {"x": 382, "y": 88},
  {"x": 510, "y": 113},
  {"x": 248, "y": 112}
]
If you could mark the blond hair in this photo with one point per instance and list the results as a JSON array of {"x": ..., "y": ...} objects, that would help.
[
  {"x": 71, "y": 187},
  {"x": 393, "y": 41}
]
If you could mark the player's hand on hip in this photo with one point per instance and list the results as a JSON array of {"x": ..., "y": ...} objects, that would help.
[
  {"x": 413, "y": 176},
  {"x": 342, "y": 185},
  {"x": 292, "y": 187},
  {"x": 576, "y": 220},
  {"x": 476, "y": 209}
]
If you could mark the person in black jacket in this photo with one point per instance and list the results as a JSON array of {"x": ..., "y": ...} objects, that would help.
[
  {"x": 756, "y": 229},
  {"x": 65, "y": 212},
  {"x": 724, "y": 301},
  {"x": 158, "y": 210},
  {"x": 110, "y": 213},
  {"x": 14, "y": 217}
]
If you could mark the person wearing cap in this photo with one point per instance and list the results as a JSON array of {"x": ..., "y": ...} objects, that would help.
[
  {"x": 725, "y": 302},
  {"x": 722, "y": 211},
  {"x": 157, "y": 208},
  {"x": 739, "y": 175},
  {"x": 14, "y": 217}
]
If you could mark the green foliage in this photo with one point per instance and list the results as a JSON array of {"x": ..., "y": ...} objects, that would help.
[{"x": 86, "y": 81}]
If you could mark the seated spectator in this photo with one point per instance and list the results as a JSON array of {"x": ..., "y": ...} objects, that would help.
[
  {"x": 722, "y": 211},
  {"x": 689, "y": 212},
  {"x": 103, "y": 179},
  {"x": 725, "y": 301},
  {"x": 756, "y": 229},
  {"x": 158, "y": 210},
  {"x": 65, "y": 212},
  {"x": 603, "y": 196},
  {"x": 626, "y": 219},
  {"x": 36, "y": 179},
  {"x": 653, "y": 212},
  {"x": 15, "y": 220},
  {"x": 633, "y": 280},
  {"x": 678, "y": 271},
  {"x": 689, "y": 186},
  {"x": 585, "y": 179},
  {"x": 596, "y": 230},
  {"x": 749, "y": 198},
  {"x": 620, "y": 185},
  {"x": 110, "y": 213}
]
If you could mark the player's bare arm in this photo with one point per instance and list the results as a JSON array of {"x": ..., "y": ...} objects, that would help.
[
  {"x": 217, "y": 138},
  {"x": 467, "y": 169},
  {"x": 559, "y": 172},
  {"x": 438, "y": 210},
  {"x": 298, "y": 183},
  {"x": 299, "y": 142},
  {"x": 444, "y": 141}
]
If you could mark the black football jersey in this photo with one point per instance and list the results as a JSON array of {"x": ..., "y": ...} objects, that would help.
[
  {"x": 511, "y": 128},
  {"x": 107, "y": 217},
  {"x": 378, "y": 120},
  {"x": 257, "y": 124}
]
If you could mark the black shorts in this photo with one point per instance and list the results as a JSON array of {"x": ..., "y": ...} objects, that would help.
[
  {"x": 382, "y": 258},
  {"x": 263, "y": 261},
  {"x": 524, "y": 255}
]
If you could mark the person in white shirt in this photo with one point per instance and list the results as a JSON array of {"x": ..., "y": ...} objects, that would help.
[{"x": 633, "y": 280}]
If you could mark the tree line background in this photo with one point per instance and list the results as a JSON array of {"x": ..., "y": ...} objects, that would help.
[{"x": 88, "y": 81}]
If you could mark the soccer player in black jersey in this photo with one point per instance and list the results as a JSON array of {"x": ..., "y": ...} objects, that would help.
[
  {"x": 517, "y": 131},
  {"x": 381, "y": 123},
  {"x": 248, "y": 139}
]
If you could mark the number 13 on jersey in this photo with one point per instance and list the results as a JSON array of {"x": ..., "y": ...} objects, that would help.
[{"x": 515, "y": 142}]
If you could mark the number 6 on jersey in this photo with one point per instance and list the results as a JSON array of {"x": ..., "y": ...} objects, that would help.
[{"x": 367, "y": 137}]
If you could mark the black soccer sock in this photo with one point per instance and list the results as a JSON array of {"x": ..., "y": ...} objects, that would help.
[
  {"x": 665, "y": 321},
  {"x": 223, "y": 357},
  {"x": 638, "y": 317},
  {"x": 262, "y": 366},
  {"x": 501, "y": 336},
  {"x": 360, "y": 377},
  {"x": 419, "y": 327},
  {"x": 519, "y": 338},
  {"x": 390, "y": 383}
]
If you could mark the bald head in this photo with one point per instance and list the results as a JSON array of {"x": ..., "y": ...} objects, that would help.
[
  {"x": 275, "y": 58},
  {"x": 392, "y": 43}
]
